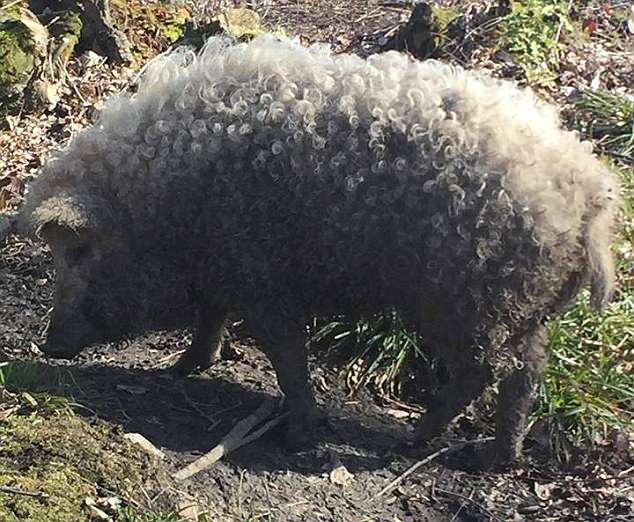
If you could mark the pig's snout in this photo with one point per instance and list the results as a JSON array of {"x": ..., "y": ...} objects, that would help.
[
  {"x": 58, "y": 347},
  {"x": 66, "y": 340}
]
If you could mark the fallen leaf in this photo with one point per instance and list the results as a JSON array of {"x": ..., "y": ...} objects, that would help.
[
  {"x": 30, "y": 399},
  {"x": 589, "y": 26},
  {"x": 95, "y": 512},
  {"x": 189, "y": 511},
  {"x": 543, "y": 491},
  {"x": 621, "y": 441},
  {"x": 596, "y": 80},
  {"x": 340, "y": 476},
  {"x": 112, "y": 504}
]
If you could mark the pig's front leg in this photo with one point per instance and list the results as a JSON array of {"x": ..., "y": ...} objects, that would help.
[
  {"x": 206, "y": 345},
  {"x": 284, "y": 341}
]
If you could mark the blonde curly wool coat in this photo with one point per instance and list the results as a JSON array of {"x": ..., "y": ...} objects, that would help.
[{"x": 282, "y": 181}]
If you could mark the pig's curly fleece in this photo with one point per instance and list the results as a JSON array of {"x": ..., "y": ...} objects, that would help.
[{"x": 288, "y": 180}]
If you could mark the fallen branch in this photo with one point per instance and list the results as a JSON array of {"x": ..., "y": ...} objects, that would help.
[
  {"x": 18, "y": 491},
  {"x": 239, "y": 436},
  {"x": 443, "y": 451}
]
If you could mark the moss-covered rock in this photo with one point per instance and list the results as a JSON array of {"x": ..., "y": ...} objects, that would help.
[
  {"x": 240, "y": 23},
  {"x": 22, "y": 46}
]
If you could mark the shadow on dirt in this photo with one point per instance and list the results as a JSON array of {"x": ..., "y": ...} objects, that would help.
[{"x": 191, "y": 415}]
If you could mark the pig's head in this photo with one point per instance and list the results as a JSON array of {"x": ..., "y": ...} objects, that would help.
[{"x": 91, "y": 299}]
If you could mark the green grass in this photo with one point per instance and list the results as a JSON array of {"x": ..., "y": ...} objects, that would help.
[
  {"x": 609, "y": 119},
  {"x": 382, "y": 351},
  {"x": 588, "y": 390},
  {"x": 38, "y": 387},
  {"x": 532, "y": 31}
]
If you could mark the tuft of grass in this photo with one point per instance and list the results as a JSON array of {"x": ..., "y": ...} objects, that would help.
[
  {"x": 38, "y": 387},
  {"x": 588, "y": 390},
  {"x": 610, "y": 121},
  {"x": 381, "y": 351}
]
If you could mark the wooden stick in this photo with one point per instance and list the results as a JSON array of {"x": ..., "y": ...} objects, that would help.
[
  {"x": 237, "y": 437},
  {"x": 427, "y": 460},
  {"x": 18, "y": 491},
  {"x": 10, "y": 4}
]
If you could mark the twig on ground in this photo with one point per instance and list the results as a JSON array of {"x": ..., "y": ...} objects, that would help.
[
  {"x": 561, "y": 23},
  {"x": 18, "y": 491},
  {"x": 213, "y": 420},
  {"x": 167, "y": 358},
  {"x": 443, "y": 451},
  {"x": 236, "y": 438},
  {"x": 371, "y": 14},
  {"x": 10, "y": 4},
  {"x": 464, "y": 498}
]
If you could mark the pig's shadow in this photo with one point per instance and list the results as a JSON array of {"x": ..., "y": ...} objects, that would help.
[{"x": 190, "y": 416}]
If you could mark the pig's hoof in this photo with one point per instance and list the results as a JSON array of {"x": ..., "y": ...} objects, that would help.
[
  {"x": 410, "y": 449},
  {"x": 301, "y": 432},
  {"x": 187, "y": 365},
  {"x": 483, "y": 457},
  {"x": 298, "y": 442}
]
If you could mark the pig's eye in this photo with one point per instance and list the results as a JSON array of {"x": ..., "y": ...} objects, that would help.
[{"x": 76, "y": 254}]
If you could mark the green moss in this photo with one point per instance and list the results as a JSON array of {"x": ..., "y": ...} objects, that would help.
[
  {"x": 441, "y": 19},
  {"x": 64, "y": 501},
  {"x": 66, "y": 29},
  {"x": 17, "y": 62},
  {"x": 67, "y": 459}
]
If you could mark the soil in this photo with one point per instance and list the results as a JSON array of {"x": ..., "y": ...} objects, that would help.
[{"x": 126, "y": 385}]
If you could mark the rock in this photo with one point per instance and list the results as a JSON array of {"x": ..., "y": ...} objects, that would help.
[
  {"x": 241, "y": 23},
  {"x": 23, "y": 41}
]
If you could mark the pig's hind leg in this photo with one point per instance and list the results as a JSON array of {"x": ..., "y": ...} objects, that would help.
[
  {"x": 517, "y": 393},
  {"x": 467, "y": 382}
]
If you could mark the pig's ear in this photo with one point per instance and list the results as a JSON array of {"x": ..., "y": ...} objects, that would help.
[{"x": 73, "y": 212}]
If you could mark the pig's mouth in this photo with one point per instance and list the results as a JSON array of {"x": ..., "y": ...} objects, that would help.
[
  {"x": 65, "y": 341},
  {"x": 63, "y": 346},
  {"x": 60, "y": 351}
]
